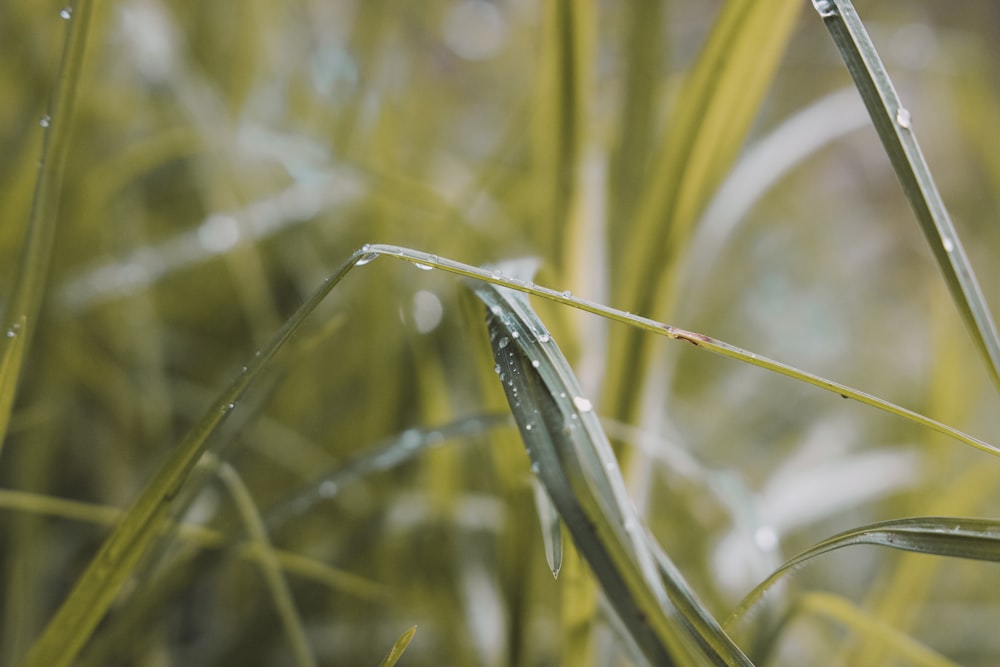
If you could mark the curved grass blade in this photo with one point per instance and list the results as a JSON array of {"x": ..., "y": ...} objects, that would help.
[
  {"x": 895, "y": 128},
  {"x": 573, "y": 459},
  {"x": 270, "y": 565},
  {"x": 548, "y": 516},
  {"x": 21, "y": 313},
  {"x": 396, "y": 652},
  {"x": 713, "y": 345},
  {"x": 971, "y": 538},
  {"x": 146, "y": 520}
]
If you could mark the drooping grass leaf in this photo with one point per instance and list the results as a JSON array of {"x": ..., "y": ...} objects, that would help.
[
  {"x": 699, "y": 340},
  {"x": 21, "y": 314},
  {"x": 396, "y": 652},
  {"x": 573, "y": 459},
  {"x": 972, "y": 538},
  {"x": 895, "y": 128}
]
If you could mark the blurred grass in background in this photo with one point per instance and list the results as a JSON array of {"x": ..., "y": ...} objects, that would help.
[{"x": 226, "y": 157}]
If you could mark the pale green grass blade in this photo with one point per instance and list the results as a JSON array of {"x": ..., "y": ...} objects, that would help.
[
  {"x": 573, "y": 458},
  {"x": 396, "y": 652},
  {"x": 714, "y": 110},
  {"x": 895, "y": 128},
  {"x": 548, "y": 516},
  {"x": 146, "y": 519},
  {"x": 21, "y": 313},
  {"x": 971, "y": 538},
  {"x": 842, "y": 611},
  {"x": 661, "y": 329},
  {"x": 270, "y": 565}
]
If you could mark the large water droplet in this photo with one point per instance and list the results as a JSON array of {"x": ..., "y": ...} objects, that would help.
[
  {"x": 904, "y": 118},
  {"x": 535, "y": 363},
  {"x": 826, "y": 8},
  {"x": 423, "y": 267},
  {"x": 949, "y": 245},
  {"x": 66, "y": 13},
  {"x": 504, "y": 342},
  {"x": 367, "y": 258},
  {"x": 582, "y": 404}
]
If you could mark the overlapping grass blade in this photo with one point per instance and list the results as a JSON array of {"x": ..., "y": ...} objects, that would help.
[
  {"x": 21, "y": 312},
  {"x": 396, "y": 652},
  {"x": 147, "y": 518},
  {"x": 972, "y": 538},
  {"x": 895, "y": 128},
  {"x": 573, "y": 459}
]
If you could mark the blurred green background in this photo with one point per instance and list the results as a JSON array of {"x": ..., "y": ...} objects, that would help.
[{"x": 227, "y": 156}]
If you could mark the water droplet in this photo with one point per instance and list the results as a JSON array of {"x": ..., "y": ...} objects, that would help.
[
  {"x": 11, "y": 333},
  {"x": 231, "y": 406},
  {"x": 535, "y": 467},
  {"x": 423, "y": 267},
  {"x": 45, "y": 121},
  {"x": 582, "y": 404},
  {"x": 826, "y": 8},
  {"x": 495, "y": 275},
  {"x": 903, "y": 118},
  {"x": 949, "y": 245},
  {"x": 496, "y": 369},
  {"x": 367, "y": 258},
  {"x": 528, "y": 427},
  {"x": 566, "y": 294},
  {"x": 66, "y": 13},
  {"x": 544, "y": 338},
  {"x": 328, "y": 489},
  {"x": 535, "y": 363},
  {"x": 496, "y": 310},
  {"x": 504, "y": 342},
  {"x": 515, "y": 335}
]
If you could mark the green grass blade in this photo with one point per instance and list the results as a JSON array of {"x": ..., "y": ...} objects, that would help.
[
  {"x": 971, "y": 538},
  {"x": 145, "y": 521},
  {"x": 396, "y": 652},
  {"x": 25, "y": 302},
  {"x": 573, "y": 458},
  {"x": 713, "y": 345},
  {"x": 895, "y": 128},
  {"x": 270, "y": 565}
]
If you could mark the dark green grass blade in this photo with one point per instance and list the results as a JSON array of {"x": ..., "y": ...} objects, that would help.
[
  {"x": 21, "y": 313},
  {"x": 976, "y": 539},
  {"x": 148, "y": 517},
  {"x": 573, "y": 459},
  {"x": 895, "y": 129}
]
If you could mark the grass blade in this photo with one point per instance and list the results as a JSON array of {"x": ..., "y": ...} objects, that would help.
[
  {"x": 145, "y": 521},
  {"x": 895, "y": 128},
  {"x": 396, "y": 652},
  {"x": 702, "y": 341},
  {"x": 971, "y": 538},
  {"x": 573, "y": 458},
  {"x": 25, "y": 302}
]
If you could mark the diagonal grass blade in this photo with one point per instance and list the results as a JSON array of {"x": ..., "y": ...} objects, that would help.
[{"x": 895, "y": 128}]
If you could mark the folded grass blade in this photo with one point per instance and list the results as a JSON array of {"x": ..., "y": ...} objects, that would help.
[
  {"x": 971, "y": 538},
  {"x": 895, "y": 128},
  {"x": 574, "y": 461}
]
